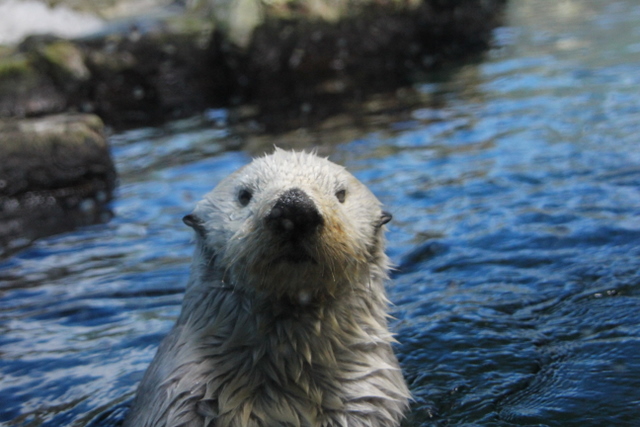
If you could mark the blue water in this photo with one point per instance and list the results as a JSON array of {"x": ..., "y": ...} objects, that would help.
[{"x": 515, "y": 189}]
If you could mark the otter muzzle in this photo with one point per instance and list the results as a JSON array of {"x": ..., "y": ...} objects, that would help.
[{"x": 294, "y": 215}]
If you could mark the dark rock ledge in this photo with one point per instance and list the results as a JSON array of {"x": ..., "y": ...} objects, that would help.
[{"x": 300, "y": 59}]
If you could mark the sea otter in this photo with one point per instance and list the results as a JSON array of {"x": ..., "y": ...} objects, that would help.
[{"x": 284, "y": 318}]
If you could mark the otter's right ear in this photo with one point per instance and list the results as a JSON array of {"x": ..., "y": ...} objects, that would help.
[
  {"x": 384, "y": 218},
  {"x": 193, "y": 221}
]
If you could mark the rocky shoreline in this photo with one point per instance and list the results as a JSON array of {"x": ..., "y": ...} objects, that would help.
[
  {"x": 294, "y": 62},
  {"x": 151, "y": 69}
]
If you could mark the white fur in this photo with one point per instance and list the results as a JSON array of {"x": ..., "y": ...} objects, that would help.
[{"x": 262, "y": 342}]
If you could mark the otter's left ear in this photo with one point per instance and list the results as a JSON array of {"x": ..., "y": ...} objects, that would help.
[
  {"x": 384, "y": 218},
  {"x": 194, "y": 221}
]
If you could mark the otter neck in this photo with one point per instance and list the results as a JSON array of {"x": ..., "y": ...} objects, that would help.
[{"x": 294, "y": 304}]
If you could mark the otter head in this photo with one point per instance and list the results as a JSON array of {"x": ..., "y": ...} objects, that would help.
[{"x": 292, "y": 225}]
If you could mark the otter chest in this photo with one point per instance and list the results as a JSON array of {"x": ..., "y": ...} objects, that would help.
[{"x": 282, "y": 370}]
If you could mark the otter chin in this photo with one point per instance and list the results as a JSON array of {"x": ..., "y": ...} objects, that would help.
[{"x": 284, "y": 318}]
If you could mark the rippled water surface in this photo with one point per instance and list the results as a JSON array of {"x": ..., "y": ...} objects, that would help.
[{"x": 516, "y": 234}]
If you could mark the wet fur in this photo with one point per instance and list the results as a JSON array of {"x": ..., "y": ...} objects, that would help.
[{"x": 265, "y": 342}]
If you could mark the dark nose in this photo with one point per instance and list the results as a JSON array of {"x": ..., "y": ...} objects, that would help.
[{"x": 294, "y": 214}]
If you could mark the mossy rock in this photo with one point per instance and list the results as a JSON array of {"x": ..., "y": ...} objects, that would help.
[
  {"x": 297, "y": 61},
  {"x": 24, "y": 89},
  {"x": 56, "y": 173},
  {"x": 65, "y": 61},
  {"x": 14, "y": 66},
  {"x": 54, "y": 153}
]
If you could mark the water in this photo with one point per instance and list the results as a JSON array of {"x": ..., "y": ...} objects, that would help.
[{"x": 515, "y": 189}]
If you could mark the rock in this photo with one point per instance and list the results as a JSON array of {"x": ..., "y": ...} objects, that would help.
[
  {"x": 24, "y": 90},
  {"x": 238, "y": 20},
  {"x": 56, "y": 173},
  {"x": 64, "y": 62},
  {"x": 304, "y": 70},
  {"x": 150, "y": 75},
  {"x": 296, "y": 61}
]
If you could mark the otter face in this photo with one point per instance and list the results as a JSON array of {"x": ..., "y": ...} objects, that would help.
[{"x": 292, "y": 224}]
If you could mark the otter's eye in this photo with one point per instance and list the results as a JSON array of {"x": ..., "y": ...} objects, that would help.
[
  {"x": 244, "y": 197},
  {"x": 340, "y": 195}
]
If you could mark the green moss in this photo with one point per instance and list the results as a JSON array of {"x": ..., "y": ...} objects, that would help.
[
  {"x": 66, "y": 59},
  {"x": 190, "y": 24},
  {"x": 57, "y": 52},
  {"x": 15, "y": 66}
]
